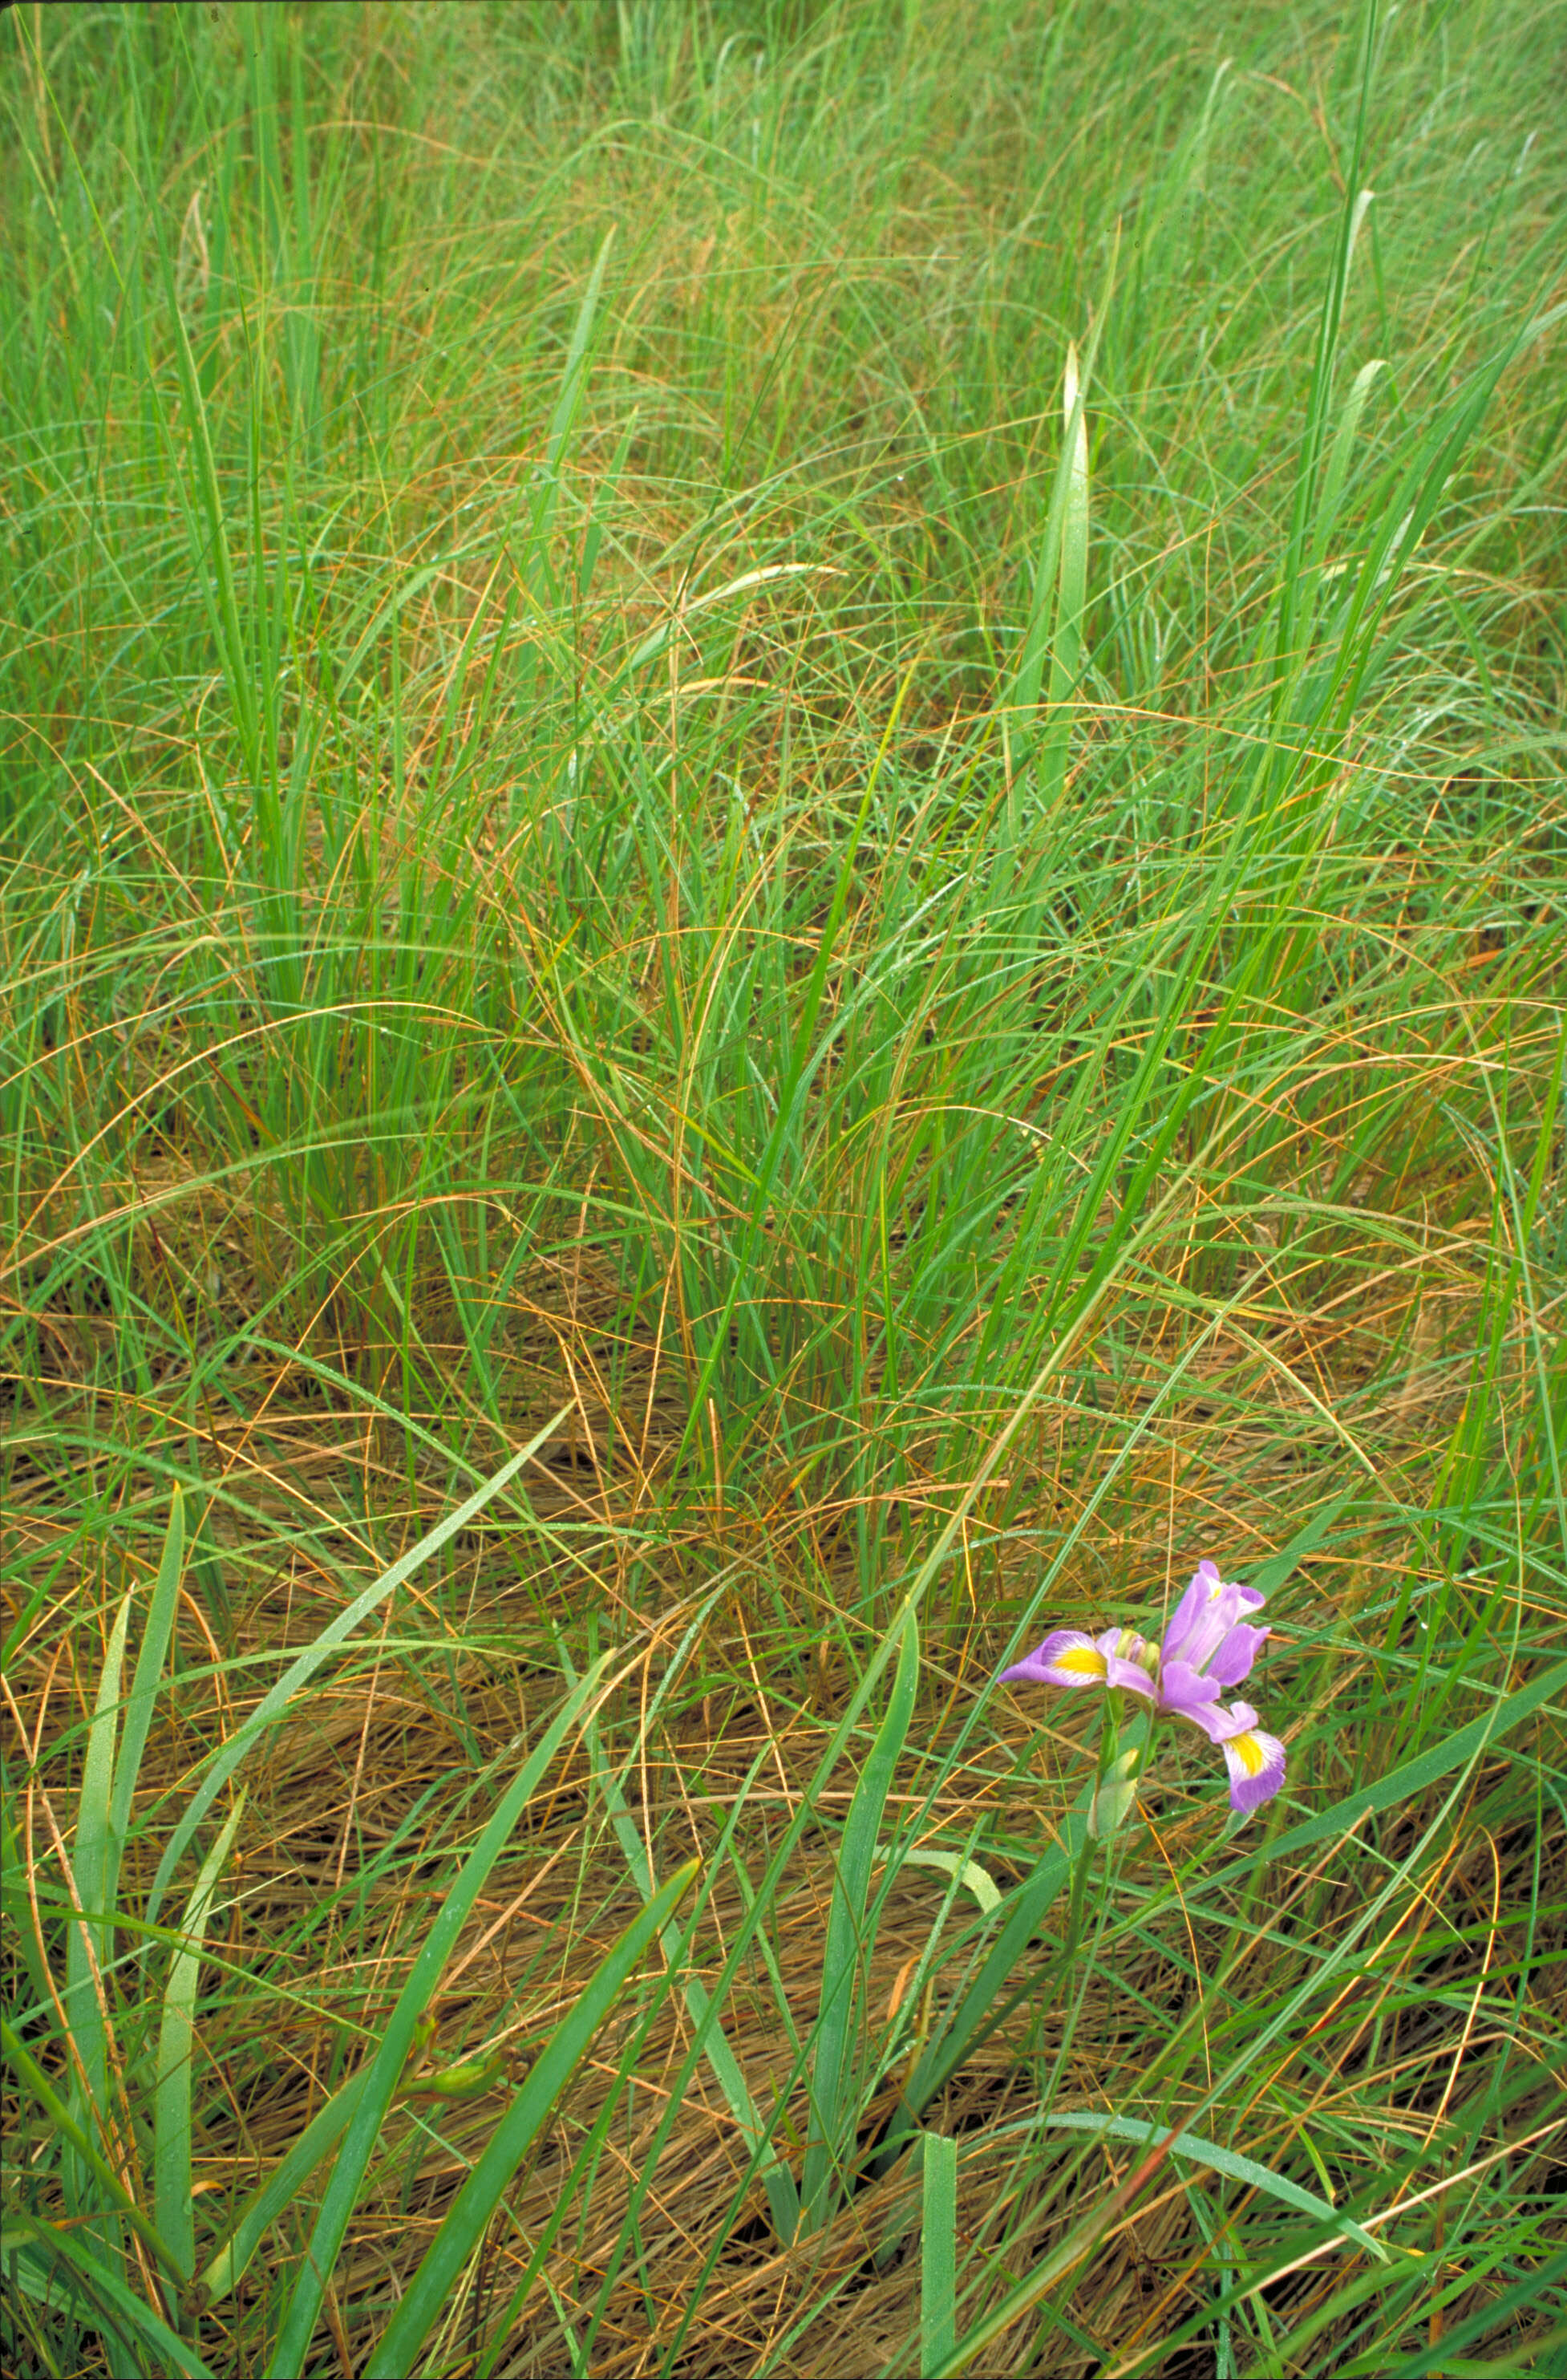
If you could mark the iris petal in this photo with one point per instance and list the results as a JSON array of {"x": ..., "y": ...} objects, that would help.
[
  {"x": 1066, "y": 1658},
  {"x": 1230, "y": 1664},
  {"x": 1206, "y": 1647},
  {"x": 1255, "y": 1763}
]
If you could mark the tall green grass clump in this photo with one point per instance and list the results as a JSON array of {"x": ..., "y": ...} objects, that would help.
[{"x": 783, "y": 850}]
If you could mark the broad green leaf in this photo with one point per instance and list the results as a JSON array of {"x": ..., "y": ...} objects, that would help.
[
  {"x": 847, "y": 1939},
  {"x": 90, "y": 1933},
  {"x": 1066, "y": 494},
  {"x": 938, "y": 2259},
  {"x": 1066, "y": 649},
  {"x": 145, "y": 1691},
  {"x": 143, "y": 1694},
  {"x": 176, "y": 2042}
]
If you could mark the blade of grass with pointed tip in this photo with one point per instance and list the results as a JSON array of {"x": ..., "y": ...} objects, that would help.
[
  {"x": 1337, "y": 471},
  {"x": 1270, "y": 1574},
  {"x": 563, "y": 419},
  {"x": 176, "y": 2041},
  {"x": 1066, "y": 646},
  {"x": 89, "y": 1932},
  {"x": 1061, "y": 572},
  {"x": 1289, "y": 657},
  {"x": 969, "y": 1871},
  {"x": 465, "y": 2224},
  {"x": 1222, "y": 2160},
  {"x": 386, "y": 2067},
  {"x": 847, "y": 1936},
  {"x": 300, "y": 1670},
  {"x": 938, "y": 2252},
  {"x": 143, "y": 1693}
]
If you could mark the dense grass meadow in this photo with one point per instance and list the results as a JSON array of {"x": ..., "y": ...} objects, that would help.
[{"x": 785, "y": 895}]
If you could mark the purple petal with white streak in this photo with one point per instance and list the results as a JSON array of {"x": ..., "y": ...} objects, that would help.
[
  {"x": 1066, "y": 1658},
  {"x": 1206, "y": 1631},
  {"x": 1255, "y": 1763}
]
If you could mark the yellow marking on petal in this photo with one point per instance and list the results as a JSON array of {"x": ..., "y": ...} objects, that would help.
[
  {"x": 1083, "y": 1660},
  {"x": 1250, "y": 1752}
]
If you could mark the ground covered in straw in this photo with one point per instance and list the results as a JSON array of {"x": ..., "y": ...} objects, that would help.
[{"x": 806, "y": 759}]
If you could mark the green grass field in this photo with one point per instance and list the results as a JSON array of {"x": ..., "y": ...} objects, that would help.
[{"x": 785, "y": 894}]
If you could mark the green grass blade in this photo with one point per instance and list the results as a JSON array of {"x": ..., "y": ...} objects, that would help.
[
  {"x": 937, "y": 2253},
  {"x": 1066, "y": 649},
  {"x": 1269, "y": 1576},
  {"x": 320, "y": 2137},
  {"x": 386, "y": 2067},
  {"x": 96, "y": 1801},
  {"x": 430, "y": 2287},
  {"x": 1245, "y": 2169},
  {"x": 1403, "y": 1784},
  {"x": 987, "y": 1998},
  {"x": 215, "y": 563},
  {"x": 90, "y": 1933},
  {"x": 569, "y": 402},
  {"x": 176, "y": 2041},
  {"x": 169, "y": 2351},
  {"x": 1338, "y": 456},
  {"x": 969, "y": 1871},
  {"x": 783, "y": 2198},
  {"x": 115, "y": 2192},
  {"x": 144, "y": 1690},
  {"x": 847, "y": 1942},
  {"x": 1053, "y": 630},
  {"x": 1444, "y": 2358},
  {"x": 1294, "y": 585},
  {"x": 300, "y": 1670}
]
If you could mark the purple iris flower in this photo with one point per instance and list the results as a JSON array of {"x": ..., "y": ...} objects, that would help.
[{"x": 1208, "y": 1647}]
